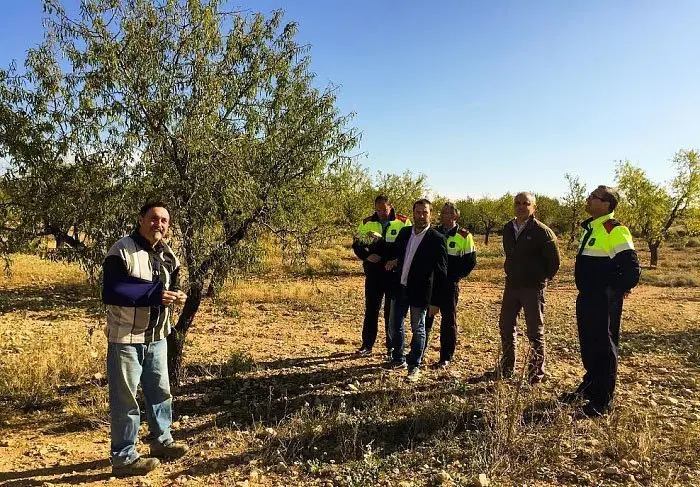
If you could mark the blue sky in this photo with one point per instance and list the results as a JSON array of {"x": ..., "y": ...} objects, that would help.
[{"x": 486, "y": 96}]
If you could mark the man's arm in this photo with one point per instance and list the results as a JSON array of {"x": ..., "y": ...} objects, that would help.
[
  {"x": 440, "y": 271},
  {"x": 121, "y": 289},
  {"x": 628, "y": 270},
  {"x": 467, "y": 261},
  {"x": 360, "y": 245},
  {"x": 550, "y": 253}
]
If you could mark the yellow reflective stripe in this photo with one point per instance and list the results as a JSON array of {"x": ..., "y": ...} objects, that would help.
[
  {"x": 469, "y": 244},
  {"x": 621, "y": 235},
  {"x": 594, "y": 252},
  {"x": 622, "y": 247}
]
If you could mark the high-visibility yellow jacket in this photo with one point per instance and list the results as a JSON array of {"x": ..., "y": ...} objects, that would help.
[
  {"x": 606, "y": 256},
  {"x": 374, "y": 238},
  {"x": 461, "y": 252}
]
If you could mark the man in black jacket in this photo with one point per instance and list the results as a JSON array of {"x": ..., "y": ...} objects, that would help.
[
  {"x": 420, "y": 255},
  {"x": 532, "y": 259}
]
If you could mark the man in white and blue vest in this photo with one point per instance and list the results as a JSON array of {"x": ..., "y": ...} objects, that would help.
[{"x": 140, "y": 285}]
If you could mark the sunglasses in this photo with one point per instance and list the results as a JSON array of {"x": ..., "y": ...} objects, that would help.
[{"x": 596, "y": 197}]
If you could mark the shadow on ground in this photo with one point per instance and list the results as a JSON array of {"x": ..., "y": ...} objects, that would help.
[
  {"x": 76, "y": 471},
  {"x": 55, "y": 299},
  {"x": 684, "y": 343}
]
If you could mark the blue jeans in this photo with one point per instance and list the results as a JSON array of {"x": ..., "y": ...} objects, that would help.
[
  {"x": 399, "y": 309},
  {"x": 127, "y": 365}
]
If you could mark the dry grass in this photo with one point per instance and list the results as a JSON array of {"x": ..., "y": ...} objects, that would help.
[{"x": 274, "y": 395}]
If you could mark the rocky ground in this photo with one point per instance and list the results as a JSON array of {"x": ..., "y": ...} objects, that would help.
[{"x": 274, "y": 395}]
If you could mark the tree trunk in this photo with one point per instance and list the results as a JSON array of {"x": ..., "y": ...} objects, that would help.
[
  {"x": 218, "y": 277},
  {"x": 654, "y": 251},
  {"x": 573, "y": 233},
  {"x": 488, "y": 232},
  {"x": 176, "y": 339}
]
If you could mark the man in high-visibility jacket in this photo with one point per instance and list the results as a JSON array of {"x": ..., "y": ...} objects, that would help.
[
  {"x": 607, "y": 268},
  {"x": 375, "y": 236},
  {"x": 461, "y": 259}
]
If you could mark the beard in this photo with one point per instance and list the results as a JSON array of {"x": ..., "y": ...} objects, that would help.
[{"x": 420, "y": 225}]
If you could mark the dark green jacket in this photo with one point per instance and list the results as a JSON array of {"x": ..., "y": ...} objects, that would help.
[{"x": 531, "y": 259}]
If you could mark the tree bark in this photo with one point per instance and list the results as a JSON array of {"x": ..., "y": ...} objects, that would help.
[
  {"x": 176, "y": 339},
  {"x": 654, "y": 251},
  {"x": 215, "y": 283},
  {"x": 488, "y": 232}
]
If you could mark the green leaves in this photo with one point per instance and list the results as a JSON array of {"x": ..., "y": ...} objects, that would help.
[{"x": 651, "y": 209}]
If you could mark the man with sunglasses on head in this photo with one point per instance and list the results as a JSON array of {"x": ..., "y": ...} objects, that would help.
[
  {"x": 607, "y": 268},
  {"x": 532, "y": 260}
]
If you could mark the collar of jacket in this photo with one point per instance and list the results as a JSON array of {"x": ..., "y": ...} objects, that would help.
[
  {"x": 449, "y": 232},
  {"x": 142, "y": 242},
  {"x": 596, "y": 222},
  {"x": 392, "y": 216}
]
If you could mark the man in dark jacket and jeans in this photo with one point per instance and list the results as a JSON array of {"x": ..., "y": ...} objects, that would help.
[{"x": 532, "y": 259}]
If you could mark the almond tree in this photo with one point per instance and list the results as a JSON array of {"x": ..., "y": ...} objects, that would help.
[
  {"x": 211, "y": 110},
  {"x": 650, "y": 209}
]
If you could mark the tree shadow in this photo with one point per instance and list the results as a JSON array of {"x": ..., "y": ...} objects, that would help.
[
  {"x": 348, "y": 439},
  {"x": 685, "y": 343},
  {"x": 28, "y": 477},
  {"x": 53, "y": 299},
  {"x": 268, "y": 399}
]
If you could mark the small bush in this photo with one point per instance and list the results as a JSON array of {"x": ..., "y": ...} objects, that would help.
[
  {"x": 693, "y": 243},
  {"x": 238, "y": 363}
]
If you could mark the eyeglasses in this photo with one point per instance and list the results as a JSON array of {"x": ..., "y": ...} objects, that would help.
[
  {"x": 524, "y": 203},
  {"x": 596, "y": 197}
]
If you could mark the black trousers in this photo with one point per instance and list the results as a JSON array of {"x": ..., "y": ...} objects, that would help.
[
  {"x": 378, "y": 286},
  {"x": 598, "y": 316},
  {"x": 448, "y": 323}
]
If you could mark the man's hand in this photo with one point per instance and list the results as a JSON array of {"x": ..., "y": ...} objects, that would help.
[
  {"x": 173, "y": 297},
  {"x": 374, "y": 258},
  {"x": 627, "y": 293},
  {"x": 433, "y": 310},
  {"x": 391, "y": 264}
]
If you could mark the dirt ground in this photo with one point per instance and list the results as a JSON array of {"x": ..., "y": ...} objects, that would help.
[{"x": 274, "y": 395}]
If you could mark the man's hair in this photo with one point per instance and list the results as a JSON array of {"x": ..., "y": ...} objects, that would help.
[
  {"x": 530, "y": 196},
  {"x": 152, "y": 204},
  {"x": 453, "y": 207},
  {"x": 610, "y": 195},
  {"x": 421, "y": 201},
  {"x": 382, "y": 198}
]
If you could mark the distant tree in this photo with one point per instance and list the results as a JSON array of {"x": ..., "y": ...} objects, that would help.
[
  {"x": 651, "y": 209},
  {"x": 550, "y": 212},
  {"x": 469, "y": 215},
  {"x": 574, "y": 207},
  {"x": 492, "y": 213},
  {"x": 212, "y": 111},
  {"x": 402, "y": 189}
]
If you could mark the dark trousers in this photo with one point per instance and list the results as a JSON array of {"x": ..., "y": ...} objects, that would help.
[
  {"x": 531, "y": 301},
  {"x": 598, "y": 316},
  {"x": 448, "y": 323},
  {"x": 378, "y": 286}
]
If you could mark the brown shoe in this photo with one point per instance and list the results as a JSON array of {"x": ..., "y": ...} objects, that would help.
[
  {"x": 169, "y": 451},
  {"x": 140, "y": 466}
]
